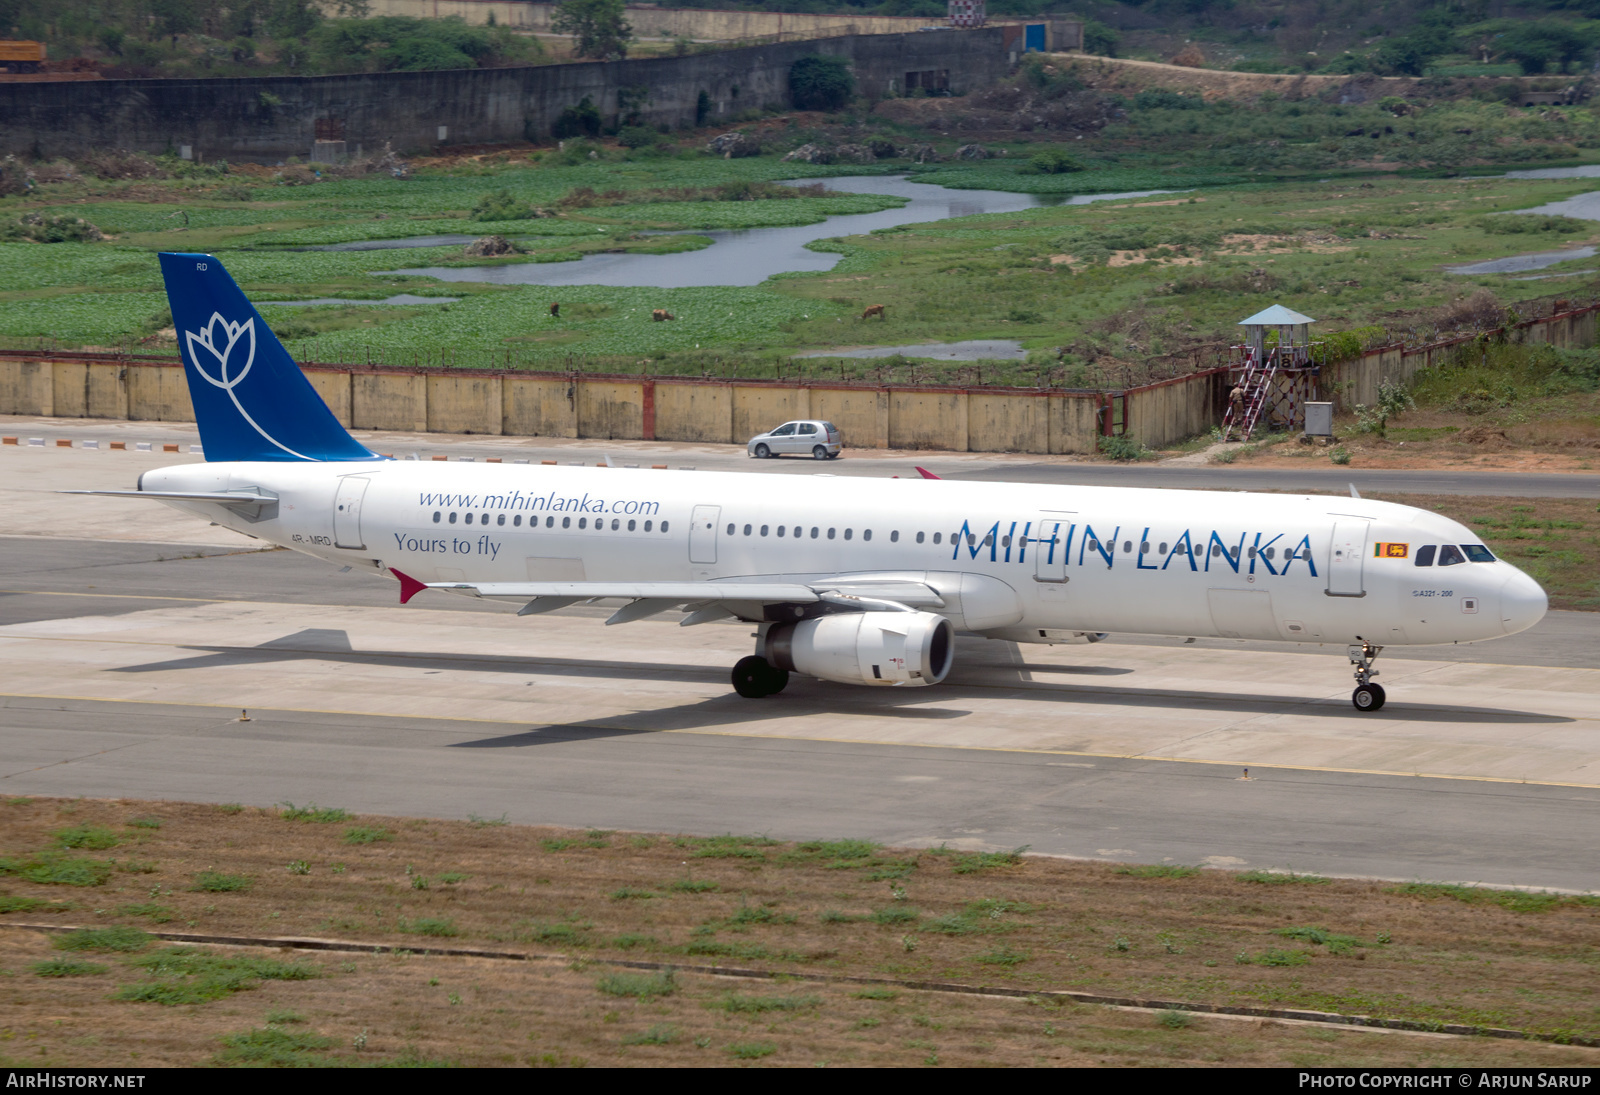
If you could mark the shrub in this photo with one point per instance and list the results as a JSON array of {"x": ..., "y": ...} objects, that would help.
[
  {"x": 820, "y": 83},
  {"x": 582, "y": 120},
  {"x": 1052, "y": 161},
  {"x": 637, "y": 136},
  {"x": 502, "y": 206},
  {"x": 1122, "y": 447}
]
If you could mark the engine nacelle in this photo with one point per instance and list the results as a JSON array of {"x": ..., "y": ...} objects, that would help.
[{"x": 905, "y": 648}]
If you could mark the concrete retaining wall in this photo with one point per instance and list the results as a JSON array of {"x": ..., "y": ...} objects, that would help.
[
  {"x": 665, "y": 408},
  {"x": 271, "y": 118},
  {"x": 699, "y": 24}
]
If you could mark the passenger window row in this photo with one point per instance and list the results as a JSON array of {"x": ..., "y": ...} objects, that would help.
[
  {"x": 633, "y": 525},
  {"x": 799, "y": 532}
]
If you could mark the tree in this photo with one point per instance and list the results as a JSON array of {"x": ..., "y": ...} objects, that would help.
[
  {"x": 1534, "y": 46},
  {"x": 598, "y": 25},
  {"x": 820, "y": 83}
]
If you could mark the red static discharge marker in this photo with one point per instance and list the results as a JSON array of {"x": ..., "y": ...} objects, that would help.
[
  {"x": 409, "y": 586},
  {"x": 926, "y": 474}
]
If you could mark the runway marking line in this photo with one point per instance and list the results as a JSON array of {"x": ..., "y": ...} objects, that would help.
[{"x": 843, "y": 741}]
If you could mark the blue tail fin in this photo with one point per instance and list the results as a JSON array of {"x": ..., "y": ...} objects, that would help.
[{"x": 251, "y": 400}]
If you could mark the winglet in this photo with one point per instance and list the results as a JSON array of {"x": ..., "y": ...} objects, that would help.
[
  {"x": 409, "y": 586},
  {"x": 926, "y": 474}
]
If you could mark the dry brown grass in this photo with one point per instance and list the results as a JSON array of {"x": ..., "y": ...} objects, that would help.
[{"x": 797, "y": 911}]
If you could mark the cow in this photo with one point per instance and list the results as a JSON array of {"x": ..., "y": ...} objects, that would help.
[
  {"x": 660, "y": 314},
  {"x": 555, "y": 309},
  {"x": 874, "y": 310}
]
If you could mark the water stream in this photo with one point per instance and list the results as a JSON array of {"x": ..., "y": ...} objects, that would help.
[{"x": 750, "y": 256}]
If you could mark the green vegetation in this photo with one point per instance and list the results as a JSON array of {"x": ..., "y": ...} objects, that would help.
[
  {"x": 1159, "y": 870},
  {"x": 55, "y": 869},
  {"x": 641, "y": 985},
  {"x": 220, "y": 882},
  {"x": 751, "y": 1051},
  {"x": 1282, "y": 878},
  {"x": 192, "y": 975},
  {"x": 1336, "y": 944},
  {"x": 157, "y": 914},
  {"x": 312, "y": 812},
  {"x": 1514, "y": 900},
  {"x": 10, "y": 903},
  {"x": 102, "y": 939},
  {"x": 273, "y": 1047},
  {"x": 820, "y": 82},
  {"x": 977, "y": 862},
  {"x": 63, "y": 967},
  {"x": 662, "y": 1034},
  {"x": 599, "y": 26},
  {"x": 367, "y": 834},
  {"x": 739, "y": 1004},
  {"x": 91, "y": 837},
  {"x": 443, "y": 928}
]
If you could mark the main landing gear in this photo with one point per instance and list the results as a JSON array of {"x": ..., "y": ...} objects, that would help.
[
  {"x": 1367, "y": 696},
  {"x": 754, "y": 677}
]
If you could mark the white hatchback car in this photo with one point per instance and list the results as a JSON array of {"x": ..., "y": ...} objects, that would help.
[{"x": 818, "y": 440}]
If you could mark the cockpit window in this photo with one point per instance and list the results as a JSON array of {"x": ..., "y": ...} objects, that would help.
[
  {"x": 1477, "y": 553},
  {"x": 1450, "y": 555},
  {"x": 1425, "y": 555}
]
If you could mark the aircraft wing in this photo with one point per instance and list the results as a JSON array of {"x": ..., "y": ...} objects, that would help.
[{"x": 650, "y": 598}]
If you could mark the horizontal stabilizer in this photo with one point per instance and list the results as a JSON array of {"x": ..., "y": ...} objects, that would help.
[{"x": 250, "y": 501}]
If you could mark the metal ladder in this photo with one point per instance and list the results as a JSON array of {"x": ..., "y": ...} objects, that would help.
[{"x": 1257, "y": 385}]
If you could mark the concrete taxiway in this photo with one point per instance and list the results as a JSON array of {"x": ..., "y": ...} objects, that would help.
[{"x": 126, "y": 663}]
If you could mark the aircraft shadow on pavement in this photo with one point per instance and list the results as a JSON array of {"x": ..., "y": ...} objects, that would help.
[{"x": 806, "y": 696}]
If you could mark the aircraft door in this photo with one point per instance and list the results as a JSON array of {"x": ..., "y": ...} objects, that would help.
[
  {"x": 1346, "y": 556},
  {"x": 1048, "y": 542},
  {"x": 347, "y": 512},
  {"x": 703, "y": 534}
]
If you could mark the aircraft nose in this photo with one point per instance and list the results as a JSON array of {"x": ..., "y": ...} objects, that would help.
[{"x": 1522, "y": 603}]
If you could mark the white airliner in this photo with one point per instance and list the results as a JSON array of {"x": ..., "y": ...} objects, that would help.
[{"x": 853, "y": 580}]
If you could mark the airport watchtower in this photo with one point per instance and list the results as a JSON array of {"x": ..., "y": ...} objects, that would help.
[{"x": 1271, "y": 374}]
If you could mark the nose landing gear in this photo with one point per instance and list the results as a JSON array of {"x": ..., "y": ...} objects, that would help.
[{"x": 1367, "y": 696}]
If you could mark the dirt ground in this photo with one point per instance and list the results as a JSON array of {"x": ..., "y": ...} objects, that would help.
[{"x": 809, "y": 915}]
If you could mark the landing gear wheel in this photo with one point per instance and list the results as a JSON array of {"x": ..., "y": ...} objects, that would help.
[
  {"x": 818, "y": 452},
  {"x": 762, "y": 452},
  {"x": 1368, "y": 697},
  {"x": 753, "y": 678}
]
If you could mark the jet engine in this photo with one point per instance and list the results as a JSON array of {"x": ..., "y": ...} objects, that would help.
[{"x": 906, "y": 648}]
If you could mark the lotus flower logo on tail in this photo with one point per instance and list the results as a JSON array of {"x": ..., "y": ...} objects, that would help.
[{"x": 229, "y": 349}]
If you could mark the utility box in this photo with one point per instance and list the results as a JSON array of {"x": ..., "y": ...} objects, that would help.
[{"x": 1319, "y": 419}]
